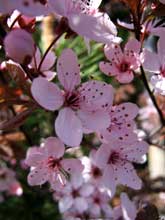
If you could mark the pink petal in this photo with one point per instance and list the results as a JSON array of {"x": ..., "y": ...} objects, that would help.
[
  {"x": 120, "y": 133},
  {"x": 59, "y": 6},
  {"x": 80, "y": 204},
  {"x": 47, "y": 94},
  {"x": 109, "y": 180},
  {"x": 97, "y": 96},
  {"x": 68, "y": 127},
  {"x": 49, "y": 75},
  {"x": 151, "y": 61},
  {"x": 68, "y": 70},
  {"x": 65, "y": 203},
  {"x": 36, "y": 59},
  {"x": 128, "y": 208},
  {"x": 110, "y": 69},
  {"x": 54, "y": 147},
  {"x": 126, "y": 175},
  {"x": 48, "y": 61},
  {"x": 135, "y": 151},
  {"x": 95, "y": 120},
  {"x": 113, "y": 53},
  {"x": 125, "y": 111},
  {"x": 98, "y": 27},
  {"x": 102, "y": 155},
  {"x": 72, "y": 165},
  {"x": 35, "y": 156},
  {"x": 37, "y": 176},
  {"x": 133, "y": 45},
  {"x": 125, "y": 77}
]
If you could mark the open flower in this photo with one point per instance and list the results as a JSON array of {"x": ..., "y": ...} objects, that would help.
[
  {"x": 84, "y": 19},
  {"x": 116, "y": 160},
  {"x": 122, "y": 63},
  {"x": 84, "y": 107},
  {"x": 48, "y": 164}
]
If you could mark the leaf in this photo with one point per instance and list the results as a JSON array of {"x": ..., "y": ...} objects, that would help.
[{"x": 19, "y": 76}]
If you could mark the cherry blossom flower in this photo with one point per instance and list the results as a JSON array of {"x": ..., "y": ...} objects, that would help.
[
  {"x": 99, "y": 204},
  {"x": 84, "y": 107},
  {"x": 48, "y": 164},
  {"x": 116, "y": 160},
  {"x": 162, "y": 1},
  {"x": 84, "y": 19},
  {"x": 75, "y": 195},
  {"x": 122, "y": 123},
  {"x": 122, "y": 63},
  {"x": 155, "y": 63},
  {"x": 126, "y": 210},
  {"x": 23, "y": 48},
  {"x": 47, "y": 64}
]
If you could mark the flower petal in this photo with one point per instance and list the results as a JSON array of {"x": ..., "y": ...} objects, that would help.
[
  {"x": 68, "y": 127},
  {"x": 95, "y": 120},
  {"x": 99, "y": 27},
  {"x": 47, "y": 94},
  {"x": 54, "y": 147},
  {"x": 96, "y": 96},
  {"x": 68, "y": 70},
  {"x": 37, "y": 176},
  {"x": 72, "y": 165}
]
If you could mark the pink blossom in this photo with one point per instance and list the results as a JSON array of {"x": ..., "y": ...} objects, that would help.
[
  {"x": 22, "y": 50},
  {"x": 162, "y": 1},
  {"x": 122, "y": 63},
  {"x": 84, "y": 19},
  {"x": 116, "y": 160},
  {"x": 48, "y": 164},
  {"x": 155, "y": 63},
  {"x": 45, "y": 69},
  {"x": 122, "y": 123},
  {"x": 84, "y": 107},
  {"x": 75, "y": 195},
  {"x": 126, "y": 210}
]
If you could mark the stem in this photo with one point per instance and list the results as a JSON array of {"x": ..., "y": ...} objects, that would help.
[
  {"x": 137, "y": 28},
  {"x": 47, "y": 51}
]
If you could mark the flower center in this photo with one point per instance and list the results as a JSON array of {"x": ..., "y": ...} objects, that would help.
[
  {"x": 75, "y": 193},
  {"x": 113, "y": 158},
  {"x": 96, "y": 172},
  {"x": 53, "y": 163},
  {"x": 124, "y": 67},
  {"x": 72, "y": 100}
]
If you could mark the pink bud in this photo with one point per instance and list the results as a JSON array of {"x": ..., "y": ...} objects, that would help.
[{"x": 19, "y": 46}]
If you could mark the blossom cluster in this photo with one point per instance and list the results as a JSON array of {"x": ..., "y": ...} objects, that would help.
[{"x": 83, "y": 185}]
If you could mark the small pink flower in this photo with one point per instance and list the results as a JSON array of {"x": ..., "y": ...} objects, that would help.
[
  {"x": 48, "y": 163},
  {"x": 23, "y": 48},
  {"x": 75, "y": 195},
  {"x": 122, "y": 123},
  {"x": 116, "y": 160},
  {"x": 122, "y": 63},
  {"x": 84, "y": 106},
  {"x": 45, "y": 69}
]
